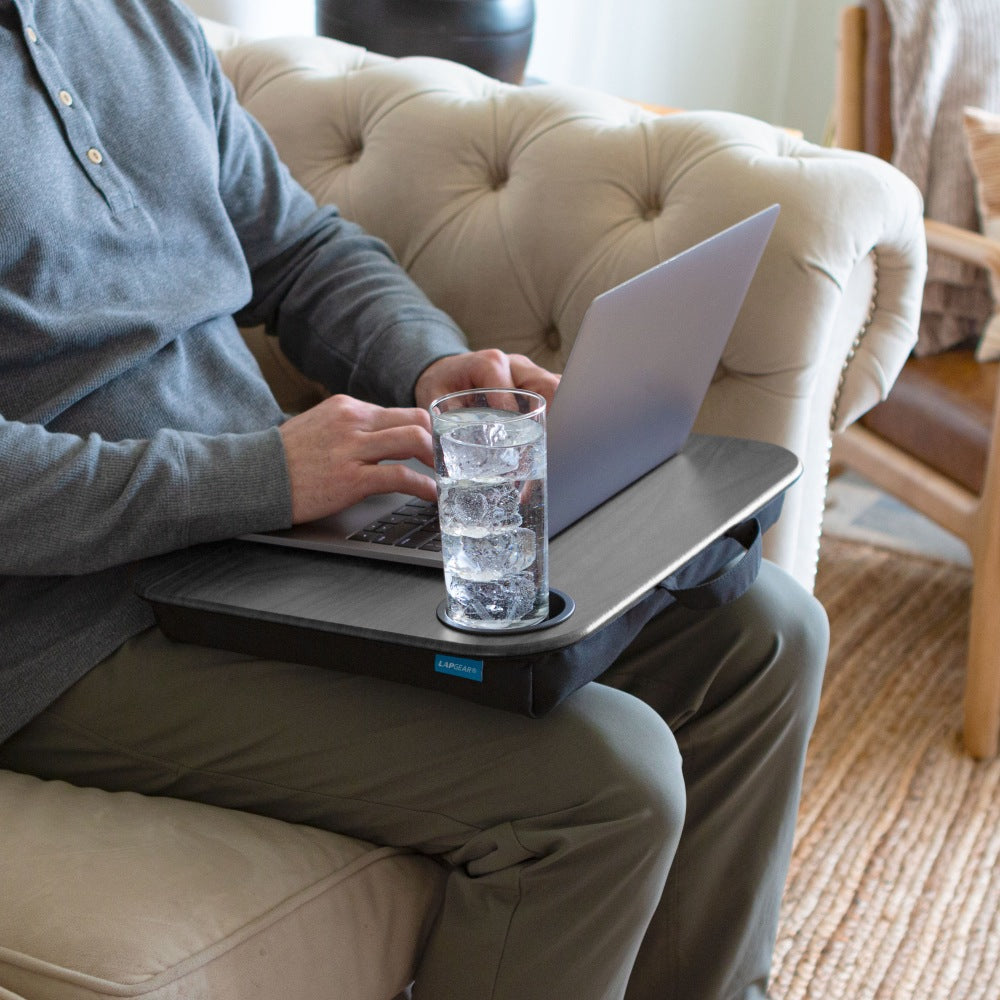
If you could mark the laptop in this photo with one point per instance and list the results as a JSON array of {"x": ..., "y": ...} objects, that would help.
[{"x": 637, "y": 374}]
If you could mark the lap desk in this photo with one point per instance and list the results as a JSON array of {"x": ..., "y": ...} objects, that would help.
[{"x": 380, "y": 618}]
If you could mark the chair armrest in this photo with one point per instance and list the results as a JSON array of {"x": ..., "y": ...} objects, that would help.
[{"x": 963, "y": 244}]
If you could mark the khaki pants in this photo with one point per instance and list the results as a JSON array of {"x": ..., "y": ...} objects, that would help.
[{"x": 650, "y": 814}]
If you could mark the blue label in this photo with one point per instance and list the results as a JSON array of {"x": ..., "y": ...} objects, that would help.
[{"x": 458, "y": 666}]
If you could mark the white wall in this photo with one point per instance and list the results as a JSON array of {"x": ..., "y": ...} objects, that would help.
[
  {"x": 773, "y": 59},
  {"x": 261, "y": 17}
]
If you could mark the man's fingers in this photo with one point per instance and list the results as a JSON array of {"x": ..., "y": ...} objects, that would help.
[
  {"x": 397, "y": 478},
  {"x": 527, "y": 375},
  {"x": 400, "y": 442},
  {"x": 333, "y": 451},
  {"x": 384, "y": 417},
  {"x": 487, "y": 369}
]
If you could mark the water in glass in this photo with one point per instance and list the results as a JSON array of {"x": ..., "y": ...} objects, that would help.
[{"x": 491, "y": 503}]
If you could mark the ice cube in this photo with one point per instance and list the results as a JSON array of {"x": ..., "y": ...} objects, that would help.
[
  {"x": 490, "y": 557},
  {"x": 477, "y": 450},
  {"x": 495, "y": 601},
  {"x": 465, "y": 509}
]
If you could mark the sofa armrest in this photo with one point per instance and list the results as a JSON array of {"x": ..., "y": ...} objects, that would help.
[
  {"x": 221, "y": 36},
  {"x": 513, "y": 207}
]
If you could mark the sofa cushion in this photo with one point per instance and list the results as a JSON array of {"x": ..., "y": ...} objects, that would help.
[{"x": 118, "y": 894}]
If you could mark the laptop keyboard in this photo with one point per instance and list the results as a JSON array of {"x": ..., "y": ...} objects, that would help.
[{"x": 413, "y": 525}]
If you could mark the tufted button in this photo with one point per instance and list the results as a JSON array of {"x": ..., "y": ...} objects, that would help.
[
  {"x": 553, "y": 338},
  {"x": 355, "y": 146},
  {"x": 652, "y": 212}
]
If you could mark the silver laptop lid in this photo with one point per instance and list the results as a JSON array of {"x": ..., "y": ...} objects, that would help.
[
  {"x": 641, "y": 366},
  {"x": 636, "y": 377}
]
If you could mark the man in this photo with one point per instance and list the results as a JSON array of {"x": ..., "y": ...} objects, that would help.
[{"x": 140, "y": 212}]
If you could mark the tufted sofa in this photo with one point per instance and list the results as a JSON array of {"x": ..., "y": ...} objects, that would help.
[{"x": 512, "y": 207}]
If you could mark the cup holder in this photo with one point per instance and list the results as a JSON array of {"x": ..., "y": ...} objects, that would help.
[{"x": 561, "y": 606}]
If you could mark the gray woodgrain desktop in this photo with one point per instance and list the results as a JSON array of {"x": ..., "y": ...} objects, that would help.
[{"x": 248, "y": 596}]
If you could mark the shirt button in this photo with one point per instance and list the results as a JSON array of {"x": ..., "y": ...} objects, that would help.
[
  {"x": 66, "y": 97},
  {"x": 31, "y": 35},
  {"x": 94, "y": 155}
]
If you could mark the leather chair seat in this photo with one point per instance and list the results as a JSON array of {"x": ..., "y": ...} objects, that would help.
[{"x": 941, "y": 411}]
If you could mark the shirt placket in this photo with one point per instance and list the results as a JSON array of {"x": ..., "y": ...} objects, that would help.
[{"x": 79, "y": 129}]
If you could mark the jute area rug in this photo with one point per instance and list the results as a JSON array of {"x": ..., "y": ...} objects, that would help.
[{"x": 894, "y": 890}]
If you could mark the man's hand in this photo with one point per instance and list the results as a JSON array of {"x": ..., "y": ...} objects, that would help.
[
  {"x": 333, "y": 452},
  {"x": 483, "y": 370}
]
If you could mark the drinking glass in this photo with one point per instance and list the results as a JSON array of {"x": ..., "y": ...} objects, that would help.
[{"x": 489, "y": 457}]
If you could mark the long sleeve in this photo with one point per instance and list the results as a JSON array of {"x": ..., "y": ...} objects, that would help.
[
  {"x": 135, "y": 419},
  {"x": 141, "y": 210},
  {"x": 76, "y": 504},
  {"x": 344, "y": 311}
]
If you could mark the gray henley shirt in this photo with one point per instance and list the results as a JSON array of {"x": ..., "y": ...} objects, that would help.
[{"x": 143, "y": 216}]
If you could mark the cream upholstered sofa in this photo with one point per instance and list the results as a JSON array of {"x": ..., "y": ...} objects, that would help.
[{"x": 512, "y": 207}]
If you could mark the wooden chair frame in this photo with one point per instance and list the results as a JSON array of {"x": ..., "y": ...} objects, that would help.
[{"x": 973, "y": 518}]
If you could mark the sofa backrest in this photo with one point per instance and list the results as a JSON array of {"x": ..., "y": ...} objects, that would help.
[{"x": 513, "y": 207}]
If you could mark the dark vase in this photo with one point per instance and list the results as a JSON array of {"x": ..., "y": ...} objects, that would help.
[{"x": 492, "y": 36}]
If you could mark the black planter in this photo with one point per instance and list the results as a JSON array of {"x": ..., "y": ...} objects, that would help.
[{"x": 492, "y": 36}]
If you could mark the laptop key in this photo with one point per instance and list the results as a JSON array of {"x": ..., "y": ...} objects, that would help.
[
  {"x": 412, "y": 526},
  {"x": 419, "y": 539},
  {"x": 394, "y": 533},
  {"x": 368, "y": 536},
  {"x": 418, "y": 508}
]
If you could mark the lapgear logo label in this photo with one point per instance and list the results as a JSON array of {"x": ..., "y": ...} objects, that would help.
[{"x": 459, "y": 666}]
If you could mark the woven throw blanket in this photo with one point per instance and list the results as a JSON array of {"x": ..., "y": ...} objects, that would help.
[{"x": 944, "y": 54}]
